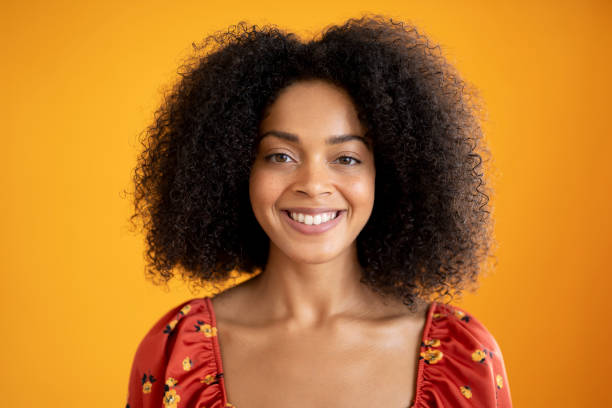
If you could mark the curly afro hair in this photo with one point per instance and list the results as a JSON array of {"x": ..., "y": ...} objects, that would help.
[{"x": 430, "y": 227}]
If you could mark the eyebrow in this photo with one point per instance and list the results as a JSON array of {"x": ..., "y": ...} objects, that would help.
[{"x": 332, "y": 140}]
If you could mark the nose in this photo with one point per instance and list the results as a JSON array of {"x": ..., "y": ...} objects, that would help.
[{"x": 313, "y": 179}]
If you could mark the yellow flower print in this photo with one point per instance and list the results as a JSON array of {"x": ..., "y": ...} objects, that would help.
[
  {"x": 171, "y": 382},
  {"x": 479, "y": 356},
  {"x": 461, "y": 315},
  {"x": 500, "y": 381},
  {"x": 170, "y": 326},
  {"x": 438, "y": 315},
  {"x": 171, "y": 399},
  {"x": 432, "y": 356},
  {"x": 147, "y": 383},
  {"x": 432, "y": 342},
  {"x": 209, "y": 379},
  {"x": 146, "y": 387},
  {"x": 185, "y": 310},
  {"x": 229, "y": 405},
  {"x": 207, "y": 329},
  {"x": 187, "y": 364},
  {"x": 466, "y": 391}
]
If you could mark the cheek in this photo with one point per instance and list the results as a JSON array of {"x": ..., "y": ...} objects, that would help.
[
  {"x": 362, "y": 192},
  {"x": 263, "y": 189}
]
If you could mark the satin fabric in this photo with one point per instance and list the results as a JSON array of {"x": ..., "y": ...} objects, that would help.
[
  {"x": 461, "y": 364},
  {"x": 178, "y": 363}
]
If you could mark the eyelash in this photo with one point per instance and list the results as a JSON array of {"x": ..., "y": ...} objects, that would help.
[{"x": 269, "y": 158}]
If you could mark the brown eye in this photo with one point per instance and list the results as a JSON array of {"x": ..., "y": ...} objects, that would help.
[
  {"x": 347, "y": 162},
  {"x": 271, "y": 156}
]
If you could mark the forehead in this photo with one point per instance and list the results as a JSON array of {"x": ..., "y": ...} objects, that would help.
[{"x": 312, "y": 110}]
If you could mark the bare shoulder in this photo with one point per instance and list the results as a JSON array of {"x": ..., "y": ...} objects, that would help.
[
  {"x": 388, "y": 310},
  {"x": 229, "y": 304}
]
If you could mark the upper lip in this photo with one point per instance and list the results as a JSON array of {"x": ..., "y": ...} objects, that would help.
[{"x": 305, "y": 210}]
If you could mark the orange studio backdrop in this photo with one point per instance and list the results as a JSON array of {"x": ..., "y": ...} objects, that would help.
[{"x": 81, "y": 80}]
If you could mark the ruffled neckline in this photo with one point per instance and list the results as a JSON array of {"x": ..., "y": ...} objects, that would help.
[
  {"x": 217, "y": 352},
  {"x": 418, "y": 392},
  {"x": 420, "y": 366}
]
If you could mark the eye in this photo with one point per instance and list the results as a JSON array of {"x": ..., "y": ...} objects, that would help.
[
  {"x": 284, "y": 158},
  {"x": 271, "y": 156},
  {"x": 347, "y": 162}
]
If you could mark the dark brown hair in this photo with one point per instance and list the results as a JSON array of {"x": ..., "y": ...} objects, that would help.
[{"x": 430, "y": 228}]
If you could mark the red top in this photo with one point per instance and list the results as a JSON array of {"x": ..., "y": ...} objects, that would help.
[{"x": 178, "y": 363}]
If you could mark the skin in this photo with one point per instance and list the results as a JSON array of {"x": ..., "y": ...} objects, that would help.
[{"x": 305, "y": 332}]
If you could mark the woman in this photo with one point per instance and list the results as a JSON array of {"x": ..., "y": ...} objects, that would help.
[{"x": 342, "y": 173}]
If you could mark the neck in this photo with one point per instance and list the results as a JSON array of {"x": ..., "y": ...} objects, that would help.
[{"x": 305, "y": 295}]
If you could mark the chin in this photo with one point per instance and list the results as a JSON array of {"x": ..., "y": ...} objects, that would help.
[
  {"x": 314, "y": 260},
  {"x": 302, "y": 254}
]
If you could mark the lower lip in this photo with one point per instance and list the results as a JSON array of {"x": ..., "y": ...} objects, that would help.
[{"x": 313, "y": 229}]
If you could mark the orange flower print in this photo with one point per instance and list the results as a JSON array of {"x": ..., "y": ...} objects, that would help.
[
  {"x": 187, "y": 364},
  {"x": 170, "y": 326},
  {"x": 499, "y": 380},
  {"x": 438, "y": 315},
  {"x": 432, "y": 342},
  {"x": 209, "y": 379},
  {"x": 207, "y": 329},
  {"x": 466, "y": 391},
  {"x": 147, "y": 383},
  {"x": 171, "y": 399},
  {"x": 432, "y": 356},
  {"x": 479, "y": 356},
  {"x": 171, "y": 382}
]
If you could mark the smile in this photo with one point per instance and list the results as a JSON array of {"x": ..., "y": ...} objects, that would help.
[{"x": 326, "y": 221}]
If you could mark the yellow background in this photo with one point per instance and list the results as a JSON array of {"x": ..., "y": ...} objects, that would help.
[{"x": 80, "y": 80}]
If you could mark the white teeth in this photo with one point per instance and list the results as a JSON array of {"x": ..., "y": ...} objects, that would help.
[{"x": 313, "y": 219}]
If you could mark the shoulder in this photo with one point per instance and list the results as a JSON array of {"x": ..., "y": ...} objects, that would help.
[
  {"x": 176, "y": 358},
  {"x": 460, "y": 361},
  {"x": 463, "y": 327},
  {"x": 174, "y": 321}
]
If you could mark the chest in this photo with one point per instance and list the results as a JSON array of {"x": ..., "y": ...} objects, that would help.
[{"x": 319, "y": 368}]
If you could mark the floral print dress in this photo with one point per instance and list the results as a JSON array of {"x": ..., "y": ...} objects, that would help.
[{"x": 178, "y": 363}]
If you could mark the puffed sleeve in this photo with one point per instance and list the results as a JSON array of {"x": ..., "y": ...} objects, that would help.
[
  {"x": 461, "y": 364},
  {"x": 175, "y": 363}
]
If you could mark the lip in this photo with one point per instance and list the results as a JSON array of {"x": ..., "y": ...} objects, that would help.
[{"x": 313, "y": 229}]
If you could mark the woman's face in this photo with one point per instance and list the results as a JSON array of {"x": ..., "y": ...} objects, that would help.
[{"x": 303, "y": 167}]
